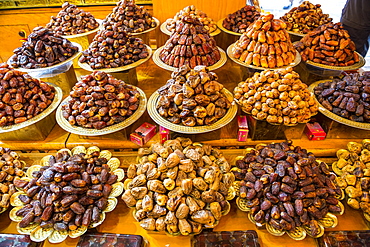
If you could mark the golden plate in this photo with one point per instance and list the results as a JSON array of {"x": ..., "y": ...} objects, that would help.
[
  {"x": 126, "y": 183},
  {"x": 107, "y": 130},
  {"x": 329, "y": 221},
  {"x": 297, "y": 234},
  {"x": 105, "y": 154},
  {"x": 58, "y": 236},
  {"x": 25, "y": 178},
  {"x": 336, "y": 169},
  {"x": 321, "y": 231},
  {"x": 87, "y": 67},
  {"x": 355, "y": 66},
  {"x": 219, "y": 24},
  {"x": 14, "y": 200},
  {"x": 242, "y": 204},
  {"x": 85, "y": 33},
  {"x": 113, "y": 163},
  {"x": 168, "y": 32},
  {"x": 65, "y": 150},
  {"x": 150, "y": 29},
  {"x": 236, "y": 186},
  {"x": 78, "y": 150},
  {"x": 231, "y": 194},
  {"x": 13, "y": 216},
  {"x": 40, "y": 234},
  {"x": 102, "y": 218},
  {"x": 153, "y": 113},
  {"x": 120, "y": 173},
  {"x": 56, "y": 101},
  {"x": 28, "y": 229},
  {"x": 163, "y": 65},
  {"x": 92, "y": 149},
  {"x": 78, "y": 232},
  {"x": 43, "y": 162},
  {"x": 117, "y": 189},
  {"x": 329, "y": 114},
  {"x": 112, "y": 203},
  {"x": 227, "y": 209},
  {"x": 273, "y": 231},
  {"x": 296, "y": 61}
]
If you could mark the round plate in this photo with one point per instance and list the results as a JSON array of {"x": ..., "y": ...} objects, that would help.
[
  {"x": 355, "y": 66},
  {"x": 105, "y": 154},
  {"x": 78, "y": 232},
  {"x": 113, "y": 163},
  {"x": 219, "y": 24},
  {"x": 112, "y": 203},
  {"x": 242, "y": 204},
  {"x": 273, "y": 231},
  {"x": 87, "y": 67},
  {"x": 40, "y": 234},
  {"x": 14, "y": 200},
  {"x": 55, "y": 69},
  {"x": 166, "y": 31},
  {"x": 56, "y": 101},
  {"x": 102, "y": 218},
  {"x": 329, "y": 114},
  {"x": 27, "y": 230},
  {"x": 153, "y": 113},
  {"x": 58, "y": 236},
  {"x": 329, "y": 221},
  {"x": 296, "y": 61},
  {"x": 78, "y": 150},
  {"x": 84, "y": 34},
  {"x": 120, "y": 174},
  {"x": 13, "y": 216},
  {"x": 117, "y": 189},
  {"x": 321, "y": 231},
  {"x": 231, "y": 194},
  {"x": 150, "y": 29},
  {"x": 107, "y": 130},
  {"x": 163, "y": 65},
  {"x": 297, "y": 234}
]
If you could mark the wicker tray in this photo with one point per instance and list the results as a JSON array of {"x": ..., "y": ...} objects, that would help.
[
  {"x": 56, "y": 101},
  {"x": 107, "y": 130},
  {"x": 168, "y": 32},
  {"x": 219, "y": 24},
  {"x": 296, "y": 61},
  {"x": 87, "y": 67},
  {"x": 153, "y": 113},
  {"x": 39, "y": 234},
  {"x": 84, "y": 34},
  {"x": 163, "y": 65},
  {"x": 329, "y": 114}
]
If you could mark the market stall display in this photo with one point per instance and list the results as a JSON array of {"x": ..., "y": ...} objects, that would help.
[
  {"x": 277, "y": 96},
  {"x": 66, "y": 194},
  {"x": 179, "y": 187},
  {"x": 286, "y": 189}
]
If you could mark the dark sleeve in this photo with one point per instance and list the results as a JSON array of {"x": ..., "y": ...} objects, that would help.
[{"x": 356, "y": 14}]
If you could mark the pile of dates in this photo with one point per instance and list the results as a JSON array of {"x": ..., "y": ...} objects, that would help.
[
  {"x": 286, "y": 187},
  {"x": 239, "y": 21},
  {"x": 22, "y": 97},
  {"x": 279, "y": 97},
  {"x": 192, "y": 97},
  {"x": 10, "y": 170},
  {"x": 71, "y": 20},
  {"x": 265, "y": 44},
  {"x": 112, "y": 48},
  {"x": 353, "y": 170},
  {"x": 190, "y": 44},
  {"x": 305, "y": 18},
  {"x": 99, "y": 100},
  {"x": 43, "y": 48},
  {"x": 179, "y": 187},
  {"x": 348, "y": 97},
  {"x": 208, "y": 23},
  {"x": 329, "y": 44},
  {"x": 129, "y": 16},
  {"x": 70, "y": 192}
]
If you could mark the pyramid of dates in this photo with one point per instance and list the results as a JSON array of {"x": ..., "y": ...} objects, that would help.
[
  {"x": 192, "y": 11},
  {"x": 329, "y": 44},
  {"x": 348, "y": 97},
  {"x": 72, "y": 20},
  {"x": 286, "y": 187},
  {"x": 179, "y": 187},
  {"x": 304, "y": 18},
  {"x": 279, "y": 97},
  {"x": 265, "y": 44},
  {"x": 69, "y": 193},
  {"x": 22, "y": 97},
  {"x": 113, "y": 47},
  {"x": 354, "y": 174},
  {"x": 132, "y": 18},
  {"x": 192, "y": 97},
  {"x": 43, "y": 48},
  {"x": 99, "y": 100},
  {"x": 240, "y": 20},
  {"x": 190, "y": 44}
]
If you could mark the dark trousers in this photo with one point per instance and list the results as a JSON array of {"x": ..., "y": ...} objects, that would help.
[{"x": 360, "y": 37}]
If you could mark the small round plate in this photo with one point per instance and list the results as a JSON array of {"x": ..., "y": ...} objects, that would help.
[
  {"x": 78, "y": 232},
  {"x": 113, "y": 163},
  {"x": 107, "y": 130},
  {"x": 329, "y": 221},
  {"x": 84, "y": 34},
  {"x": 219, "y": 24},
  {"x": 329, "y": 114},
  {"x": 120, "y": 174},
  {"x": 13, "y": 216},
  {"x": 56, "y": 101},
  {"x": 92, "y": 149},
  {"x": 296, "y": 61},
  {"x": 150, "y": 29},
  {"x": 87, "y": 67},
  {"x": 297, "y": 234},
  {"x": 165, "y": 66},
  {"x": 231, "y": 194},
  {"x": 153, "y": 113},
  {"x": 102, "y": 218},
  {"x": 58, "y": 236},
  {"x": 227, "y": 209},
  {"x": 308, "y": 231},
  {"x": 126, "y": 183},
  {"x": 40, "y": 234},
  {"x": 105, "y": 154},
  {"x": 55, "y": 69},
  {"x": 28, "y": 229},
  {"x": 273, "y": 231},
  {"x": 112, "y": 203},
  {"x": 117, "y": 189},
  {"x": 242, "y": 204},
  {"x": 168, "y": 32},
  {"x": 43, "y": 162},
  {"x": 14, "y": 200},
  {"x": 355, "y": 66},
  {"x": 78, "y": 150}
]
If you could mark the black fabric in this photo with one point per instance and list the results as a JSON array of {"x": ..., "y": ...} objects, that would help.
[
  {"x": 356, "y": 14},
  {"x": 360, "y": 37}
]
